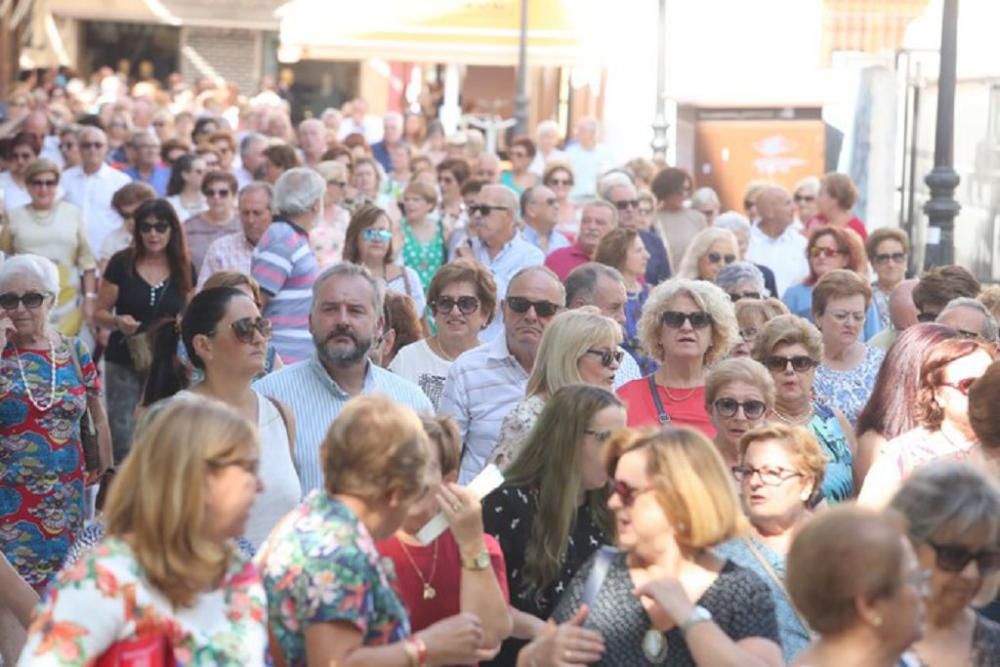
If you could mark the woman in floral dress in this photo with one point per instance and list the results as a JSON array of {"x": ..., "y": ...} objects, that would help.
[{"x": 168, "y": 581}]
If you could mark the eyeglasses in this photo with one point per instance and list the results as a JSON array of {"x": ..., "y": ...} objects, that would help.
[
  {"x": 521, "y": 305},
  {"x": 768, "y": 476},
  {"x": 217, "y": 193},
  {"x": 466, "y": 305},
  {"x": 244, "y": 328},
  {"x": 954, "y": 558},
  {"x": 627, "y": 493},
  {"x": 844, "y": 315},
  {"x": 31, "y": 300},
  {"x": 485, "y": 209},
  {"x": 926, "y": 317},
  {"x": 804, "y": 198},
  {"x": 716, "y": 258},
  {"x": 67, "y": 147},
  {"x": 47, "y": 183},
  {"x": 645, "y": 211},
  {"x": 736, "y": 296},
  {"x": 600, "y": 436},
  {"x": 376, "y": 235},
  {"x": 962, "y": 386},
  {"x": 158, "y": 227},
  {"x": 608, "y": 357},
  {"x": 749, "y": 334},
  {"x": 675, "y": 319},
  {"x": 88, "y": 145},
  {"x": 626, "y": 204},
  {"x": 340, "y": 184},
  {"x": 817, "y": 251},
  {"x": 559, "y": 182},
  {"x": 727, "y": 407},
  {"x": 895, "y": 258},
  {"x": 800, "y": 364}
]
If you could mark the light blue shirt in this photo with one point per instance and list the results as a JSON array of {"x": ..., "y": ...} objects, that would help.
[
  {"x": 316, "y": 400},
  {"x": 555, "y": 240},
  {"x": 798, "y": 298},
  {"x": 516, "y": 255}
]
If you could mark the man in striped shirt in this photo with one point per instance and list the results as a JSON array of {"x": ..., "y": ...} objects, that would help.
[{"x": 284, "y": 264}]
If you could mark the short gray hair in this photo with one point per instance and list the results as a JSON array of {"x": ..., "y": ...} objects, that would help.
[
  {"x": 538, "y": 268},
  {"x": 600, "y": 203},
  {"x": 250, "y": 139},
  {"x": 35, "y": 267},
  {"x": 297, "y": 191},
  {"x": 991, "y": 328},
  {"x": 582, "y": 281},
  {"x": 732, "y": 221},
  {"x": 257, "y": 186},
  {"x": 733, "y": 274},
  {"x": 351, "y": 270},
  {"x": 703, "y": 196},
  {"x": 612, "y": 180},
  {"x": 507, "y": 196}
]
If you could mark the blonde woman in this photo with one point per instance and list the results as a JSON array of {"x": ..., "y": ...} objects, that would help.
[
  {"x": 709, "y": 251},
  {"x": 751, "y": 316},
  {"x": 739, "y": 397},
  {"x": 168, "y": 576},
  {"x": 578, "y": 347},
  {"x": 327, "y": 236}
]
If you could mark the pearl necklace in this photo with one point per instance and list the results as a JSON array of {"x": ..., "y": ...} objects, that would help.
[
  {"x": 795, "y": 420},
  {"x": 27, "y": 387}
]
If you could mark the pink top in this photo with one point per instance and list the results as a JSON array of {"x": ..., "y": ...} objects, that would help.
[{"x": 564, "y": 260}]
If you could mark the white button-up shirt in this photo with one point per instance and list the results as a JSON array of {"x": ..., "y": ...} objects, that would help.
[
  {"x": 92, "y": 193},
  {"x": 516, "y": 255},
  {"x": 785, "y": 255}
]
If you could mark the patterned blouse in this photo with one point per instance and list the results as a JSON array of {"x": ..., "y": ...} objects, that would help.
[
  {"x": 320, "y": 565},
  {"x": 104, "y": 598},
  {"x": 515, "y": 429},
  {"x": 424, "y": 257},
  {"x": 838, "y": 481},
  {"x": 849, "y": 390}
]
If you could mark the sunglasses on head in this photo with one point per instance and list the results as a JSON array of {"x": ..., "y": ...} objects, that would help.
[
  {"x": 244, "y": 328},
  {"x": 736, "y": 296},
  {"x": 816, "y": 251},
  {"x": 31, "y": 300},
  {"x": 954, "y": 558},
  {"x": 520, "y": 305},
  {"x": 373, "y": 235},
  {"x": 608, "y": 357},
  {"x": 716, "y": 258},
  {"x": 800, "y": 364},
  {"x": 727, "y": 407},
  {"x": 466, "y": 305},
  {"x": 158, "y": 227},
  {"x": 962, "y": 386},
  {"x": 675, "y": 319},
  {"x": 627, "y": 494}
]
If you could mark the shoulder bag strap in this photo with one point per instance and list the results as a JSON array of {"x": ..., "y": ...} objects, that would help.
[
  {"x": 664, "y": 417},
  {"x": 284, "y": 420},
  {"x": 597, "y": 574},
  {"x": 755, "y": 552}
]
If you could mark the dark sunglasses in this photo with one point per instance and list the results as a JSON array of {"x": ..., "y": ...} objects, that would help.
[
  {"x": 736, "y": 296},
  {"x": 341, "y": 184},
  {"x": 557, "y": 182},
  {"x": 521, "y": 305},
  {"x": 953, "y": 558},
  {"x": 963, "y": 385},
  {"x": 926, "y": 317},
  {"x": 800, "y": 364},
  {"x": 727, "y": 407},
  {"x": 675, "y": 319},
  {"x": 816, "y": 251},
  {"x": 896, "y": 258},
  {"x": 805, "y": 198},
  {"x": 608, "y": 357},
  {"x": 382, "y": 235},
  {"x": 485, "y": 209},
  {"x": 716, "y": 258},
  {"x": 159, "y": 227},
  {"x": 216, "y": 193},
  {"x": 47, "y": 183},
  {"x": 244, "y": 328},
  {"x": 31, "y": 300},
  {"x": 88, "y": 145},
  {"x": 626, "y": 204},
  {"x": 466, "y": 305},
  {"x": 626, "y": 493}
]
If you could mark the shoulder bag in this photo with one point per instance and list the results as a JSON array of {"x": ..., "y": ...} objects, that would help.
[
  {"x": 755, "y": 552},
  {"x": 664, "y": 417}
]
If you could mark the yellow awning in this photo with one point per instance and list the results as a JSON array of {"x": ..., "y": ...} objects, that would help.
[{"x": 473, "y": 32}]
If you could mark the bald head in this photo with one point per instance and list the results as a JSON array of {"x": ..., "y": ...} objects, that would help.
[
  {"x": 488, "y": 168},
  {"x": 902, "y": 310},
  {"x": 775, "y": 207},
  {"x": 312, "y": 138}
]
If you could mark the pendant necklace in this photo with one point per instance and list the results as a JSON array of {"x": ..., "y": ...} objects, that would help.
[
  {"x": 27, "y": 387},
  {"x": 655, "y": 646},
  {"x": 428, "y": 591}
]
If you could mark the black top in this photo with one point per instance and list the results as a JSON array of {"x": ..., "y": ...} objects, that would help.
[
  {"x": 146, "y": 303},
  {"x": 985, "y": 643},
  {"x": 769, "y": 282},
  {"x": 739, "y": 601},
  {"x": 508, "y": 513}
]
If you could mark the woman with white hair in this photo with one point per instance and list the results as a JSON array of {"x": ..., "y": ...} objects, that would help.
[
  {"x": 706, "y": 202},
  {"x": 46, "y": 384},
  {"x": 709, "y": 251},
  {"x": 740, "y": 227},
  {"x": 741, "y": 280}
]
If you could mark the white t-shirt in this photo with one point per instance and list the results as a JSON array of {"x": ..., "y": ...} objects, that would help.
[{"x": 418, "y": 364}]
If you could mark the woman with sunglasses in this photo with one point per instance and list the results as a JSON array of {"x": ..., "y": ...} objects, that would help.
[
  {"x": 220, "y": 219},
  {"x": 187, "y": 174},
  {"x": 739, "y": 396},
  {"x": 578, "y": 346},
  {"x": 779, "y": 472},
  {"x": 943, "y": 431},
  {"x": 462, "y": 297},
  {"x": 55, "y": 229},
  {"x": 551, "y": 512},
  {"x": 151, "y": 280},
  {"x": 327, "y": 236},
  {"x": 519, "y": 177},
  {"x": 664, "y": 597},
  {"x": 225, "y": 338},
  {"x": 952, "y": 517},
  {"x": 369, "y": 242},
  {"x": 558, "y": 177},
  {"x": 791, "y": 349},
  {"x": 751, "y": 316},
  {"x": 888, "y": 248},
  {"x": 687, "y": 326},
  {"x": 22, "y": 150},
  {"x": 125, "y": 202},
  {"x": 708, "y": 252}
]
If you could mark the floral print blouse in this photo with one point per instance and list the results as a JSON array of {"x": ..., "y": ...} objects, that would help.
[
  {"x": 104, "y": 598},
  {"x": 320, "y": 565}
]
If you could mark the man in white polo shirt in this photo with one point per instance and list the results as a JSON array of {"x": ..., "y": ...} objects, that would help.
[
  {"x": 774, "y": 242},
  {"x": 92, "y": 184}
]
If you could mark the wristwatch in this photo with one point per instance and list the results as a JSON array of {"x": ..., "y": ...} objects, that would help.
[
  {"x": 480, "y": 561},
  {"x": 698, "y": 615}
]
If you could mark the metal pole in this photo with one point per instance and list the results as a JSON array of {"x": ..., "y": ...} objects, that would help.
[
  {"x": 660, "y": 124},
  {"x": 942, "y": 208},
  {"x": 521, "y": 101}
]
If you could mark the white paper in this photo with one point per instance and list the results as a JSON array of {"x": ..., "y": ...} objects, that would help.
[{"x": 483, "y": 484}]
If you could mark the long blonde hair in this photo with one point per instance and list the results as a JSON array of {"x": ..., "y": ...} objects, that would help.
[
  {"x": 567, "y": 338},
  {"x": 158, "y": 501}
]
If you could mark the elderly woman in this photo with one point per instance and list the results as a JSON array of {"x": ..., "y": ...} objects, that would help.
[
  {"x": 462, "y": 297},
  {"x": 888, "y": 249},
  {"x": 519, "y": 177},
  {"x": 56, "y": 230},
  {"x": 220, "y": 219},
  {"x": 551, "y": 513},
  {"x": 168, "y": 580},
  {"x": 687, "y": 326},
  {"x": 846, "y": 375},
  {"x": 947, "y": 372},
  {"x": 187, "y": 174},
  {"x": 624, "y": 250},
  {"x": 664, "y": 597},
  {"x": 791, "y": 349},
  {"x": 857, "y": 583},
  {"x": 804, "y": 197},
  {"x": 22, "y": 150},
  {"x": 751, "y": 316},
  {"x": 321, "y": 559},
  {"x": 837, "y": 196},
  {"x": 952, "y": 517},
  {"x": 578, "y": 346},
  {"x": 47, "y": 383},
  {"x": 706, "y": 202},
  {"x": 367, "y": 180},
  {"x": 739, "y": 396},
  {"x": 451, "y": 176},
  {"x": 780, "y": 473},
  {"x": 425, "y": 237},
  {"x": 558, "y": 177},
  {"x": 709, "y": 251},
  {"x": 327, "y": 236},
  {"x": 741, "y": 280},
  {"x": 740, "y": 227}
]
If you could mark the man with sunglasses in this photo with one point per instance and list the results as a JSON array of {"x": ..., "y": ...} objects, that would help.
[
  {"x": 970, "y": 318},
  {"x": 540, "y": 212},
  {"x": 91, "y": 185},
  {"x": 774, "y": 242},
  {"x": 485, "y": 383}
]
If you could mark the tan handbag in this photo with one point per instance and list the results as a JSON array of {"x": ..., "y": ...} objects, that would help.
[{"x": 140, "y": 351}]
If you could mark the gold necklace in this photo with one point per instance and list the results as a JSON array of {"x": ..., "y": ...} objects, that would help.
[
  {"x": 673, "y": 398},
  {"x": 434, "y": 342},
  {"x": 428, "y": 591}
]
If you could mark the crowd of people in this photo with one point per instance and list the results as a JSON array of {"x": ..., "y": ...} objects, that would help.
[{"x": 251, "y": 376}]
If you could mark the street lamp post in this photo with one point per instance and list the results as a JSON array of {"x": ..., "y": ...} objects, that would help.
[
  {"x": 660, "y": 124},
  {"x": 942, "y": 208},
  {"x": 521, "y": 101}
]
